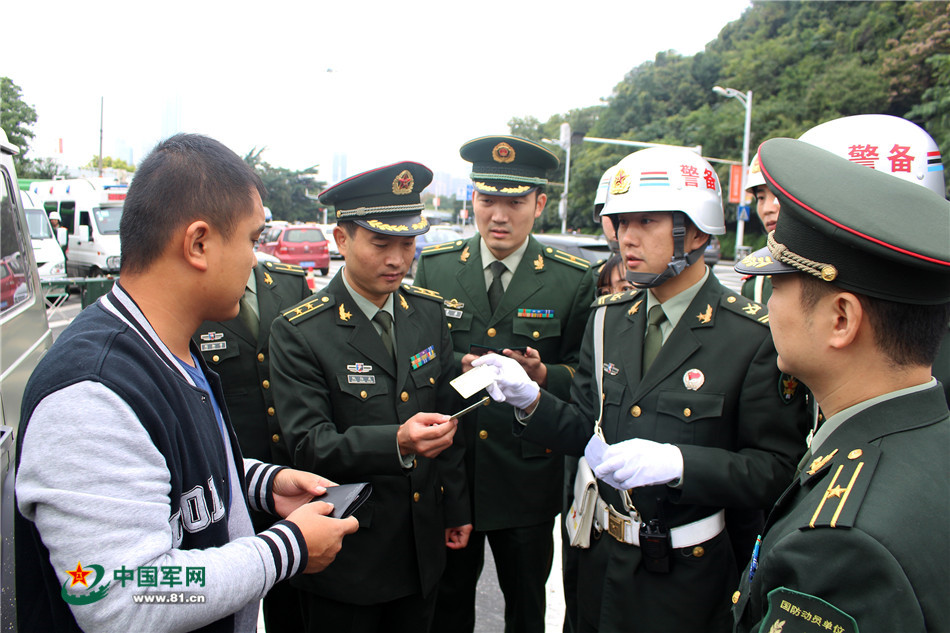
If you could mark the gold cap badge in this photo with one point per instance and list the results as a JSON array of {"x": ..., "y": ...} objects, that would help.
[
  {"x": 402, "y": 184},
  {"x": 620, "y": 182},
  {"x": 503, "y": 153}
]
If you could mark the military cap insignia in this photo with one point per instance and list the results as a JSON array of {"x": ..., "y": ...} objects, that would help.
[
  {"x": 539, "y": 263},
  {"x": 402, "y": 184},
  {"x": 383, "y": 226},
  {"x": 267, "y": 279},
  {"x": 344, "y": 315},
  {"x": 503, "y": 153},
  {"x": 402, "y": 302},
  {"x": 620, "y": 182},
  {"x": 465, "y": 254},
  {"x": 634, "y": 308},
  {"x": 820, "y": 462},
  {"x": 705, "y": 317},
  {"x": 796, "y": 612},
  {"x": 787, "y": 387},
  {"x": 752, "y": 261}
]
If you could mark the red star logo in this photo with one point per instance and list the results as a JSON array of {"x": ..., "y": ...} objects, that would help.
[{"x": 79, "y": 575}]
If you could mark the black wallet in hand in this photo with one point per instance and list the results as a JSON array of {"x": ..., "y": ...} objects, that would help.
[{"x": 346, "y": 498}]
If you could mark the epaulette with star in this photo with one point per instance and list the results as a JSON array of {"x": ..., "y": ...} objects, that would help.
[
  {"x": 419, "y": 291},
  {"x": 567, "y": 258},
  {"x": 617, "y": 297},
  {"x": 445, "y": 247},
  {"x": 281, "y": 267},
  {"x": 306, "y": 309},
  {"x": 844, "y": 476},
  {"x": 746, "y": 307}
]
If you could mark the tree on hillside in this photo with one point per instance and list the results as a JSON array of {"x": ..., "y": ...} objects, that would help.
[
  {"x": 109, "y": 163},
  {"x": 16, "y": 117},
  {"x": 287, "y": 190}
]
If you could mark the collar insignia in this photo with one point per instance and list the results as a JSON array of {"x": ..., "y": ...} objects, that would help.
[
  {"x": 634, "y": 308},
  {"x": 503, "y": 153},
  {"x": 344, "y": 315},
  {"x": 403, "y": 183},
  {"x": 267, "y": 279},
  {"x": 402, "y": 302},
  {"x": 464, "y": 256},
  {"x": 819, "y": 463},
  {"x": 539, "y": 263},
  {"x": 706, "y": 316}
]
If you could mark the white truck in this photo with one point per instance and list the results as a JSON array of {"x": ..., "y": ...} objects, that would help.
[
  {"x": 91, "y": 209},
  {"x": 47, "y": 250},
  {"x": 24, "y": 338}
]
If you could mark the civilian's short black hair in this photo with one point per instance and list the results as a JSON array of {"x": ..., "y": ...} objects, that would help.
[{"x": 187, "y": 177}]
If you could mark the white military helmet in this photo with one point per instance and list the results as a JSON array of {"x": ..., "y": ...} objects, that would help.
[
  {"x": 885, "y": 143},
  {"x": 55, "y": 216},
  {"x": 754, "y": 178},
  {"x": 668, "y": 179},
  {"x": 600, "y": 197}
]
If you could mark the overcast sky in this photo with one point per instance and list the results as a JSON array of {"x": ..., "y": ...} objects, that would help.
[{"x": 378, "y": 81}]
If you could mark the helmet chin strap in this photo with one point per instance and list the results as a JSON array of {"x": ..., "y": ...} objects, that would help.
[{"x": 678, "y": 264}]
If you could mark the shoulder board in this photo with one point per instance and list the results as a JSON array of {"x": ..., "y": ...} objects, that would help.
[
  {"x": 561, "y": 256},
  {"x": 746, "y": 307},
  {"x": 843, "y": 481},
  {"x": 599, "y": 266},
  {"x": 445, "y": 247},
  {"x": 306, "y": 309},
  {"x": 422, "y": 292},
  {"x": 280, "y": 267},
  {"x": 617, "y": 297}
]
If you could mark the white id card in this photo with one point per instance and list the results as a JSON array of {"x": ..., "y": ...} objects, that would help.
[{"x": 474, "y": 380}]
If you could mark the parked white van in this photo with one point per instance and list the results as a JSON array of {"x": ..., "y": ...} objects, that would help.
[
  {"x": 47, "y": 251},
  {"x": 91, "y": 209}
]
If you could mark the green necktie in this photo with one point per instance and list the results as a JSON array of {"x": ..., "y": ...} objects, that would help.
[
  {"x": 496, "y": 290},
  {"x": 654, "y": 338},
  {"x": 385, "y": 322},
  {"x": 248, "y": 314}
]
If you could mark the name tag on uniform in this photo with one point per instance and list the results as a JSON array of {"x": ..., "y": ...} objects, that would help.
[
  {"x": 211, "y": 347},
  {"x": 361, "y": 380},
  {"x": 453, "y": 314}
]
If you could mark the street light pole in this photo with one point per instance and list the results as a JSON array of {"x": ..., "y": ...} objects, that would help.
[{"x": 746, "y": 100}]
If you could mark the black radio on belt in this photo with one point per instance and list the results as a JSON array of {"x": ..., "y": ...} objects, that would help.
[{"x": 656, "y": 546}]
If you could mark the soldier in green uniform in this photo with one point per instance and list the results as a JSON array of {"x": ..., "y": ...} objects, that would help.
[
  {"x": 860, "y": 264},
  {"x": 695, "y": 415},
  {"x": 504, "y": 290},
  {"x": 361, "y": 375},
  {"x": 239, "y": 352}
]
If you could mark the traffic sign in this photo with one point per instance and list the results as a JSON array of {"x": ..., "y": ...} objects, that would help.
[{"x": 743, "y": 213}]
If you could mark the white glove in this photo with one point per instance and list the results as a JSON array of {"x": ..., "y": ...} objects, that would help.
[
  {"x": 638, "y": 462},
  {"x": 512, "y": 384},
  {"x": 594, "y": 451}
]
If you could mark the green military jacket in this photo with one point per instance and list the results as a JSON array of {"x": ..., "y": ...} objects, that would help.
[
  {"x": 513, "y": 483},
  {"x": 757, "y": 287},
  {"x": 715, "y": 392},
  {"x": 859, "y": 540},
  {"x": 243, "y": 362},
  {"x": 340, "y": 400}
]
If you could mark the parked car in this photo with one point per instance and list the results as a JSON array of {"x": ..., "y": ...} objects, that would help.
[
  {"x": 301, "y": 244},
  {"x": 590, "y": 247},
  {"x": 435, "y": 235}
]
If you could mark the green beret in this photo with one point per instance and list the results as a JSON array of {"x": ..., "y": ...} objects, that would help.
[
  {"x": 507, "y": 165},
  {"x": 858, "y": 228},
  {"x": 386, "y": 200}
]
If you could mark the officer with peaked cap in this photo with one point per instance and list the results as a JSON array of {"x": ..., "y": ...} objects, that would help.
[
  {"x": 361, "y": 374},
  {"x": 860, "y": 265},
  {"x": 694, "y": 416},
  {"x": 537, "y": 302}
]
